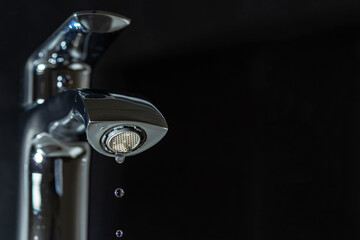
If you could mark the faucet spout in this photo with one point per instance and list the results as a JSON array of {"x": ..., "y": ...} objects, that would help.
[{"x": 98, "y": 116}]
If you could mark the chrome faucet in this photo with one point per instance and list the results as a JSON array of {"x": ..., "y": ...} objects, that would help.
[{"x": 62, "y": 118}]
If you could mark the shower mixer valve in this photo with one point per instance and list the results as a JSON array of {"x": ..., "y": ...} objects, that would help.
[{"x": 63, "y": 119}]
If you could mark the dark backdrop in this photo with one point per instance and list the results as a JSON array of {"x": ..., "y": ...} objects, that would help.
[{"x": 262, "y": 99}]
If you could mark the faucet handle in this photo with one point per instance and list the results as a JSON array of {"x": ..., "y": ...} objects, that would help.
[{"x": 65, "y": 60}]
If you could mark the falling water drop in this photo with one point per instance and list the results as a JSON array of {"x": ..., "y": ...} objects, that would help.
[
  {"x": 119, "y": 233},
  {"x": 119, "y": 192},
  {"x": 119, "y": 157}
]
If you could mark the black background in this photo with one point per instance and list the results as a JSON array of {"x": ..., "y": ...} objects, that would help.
[{"x": 262, "y": 99}]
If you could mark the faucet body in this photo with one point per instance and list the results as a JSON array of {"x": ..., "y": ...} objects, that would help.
[{"x": 62, "y": 120}]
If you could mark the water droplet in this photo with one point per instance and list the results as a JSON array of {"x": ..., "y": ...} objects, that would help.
[
  {"x": 36, "y": 237},
  {"x": 119, "y": 192},
  {"x": 119, "y": 233},
  {"x": 119, "y": 157}
]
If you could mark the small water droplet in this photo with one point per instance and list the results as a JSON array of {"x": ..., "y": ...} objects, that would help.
[
  {"x": 36, "y": 237},
  {"x": 119, "y": 192},
  {"x": 119, "y": 233},
  {"x": 119, "y": 157}
]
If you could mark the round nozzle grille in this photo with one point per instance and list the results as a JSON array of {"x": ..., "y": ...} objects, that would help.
[{"x": 123, "y": 139}]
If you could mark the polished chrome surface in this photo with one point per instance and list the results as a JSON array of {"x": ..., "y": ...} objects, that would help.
[
  {"x": 64, "y": 61},
  {"x": 62, "y": 118}
]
